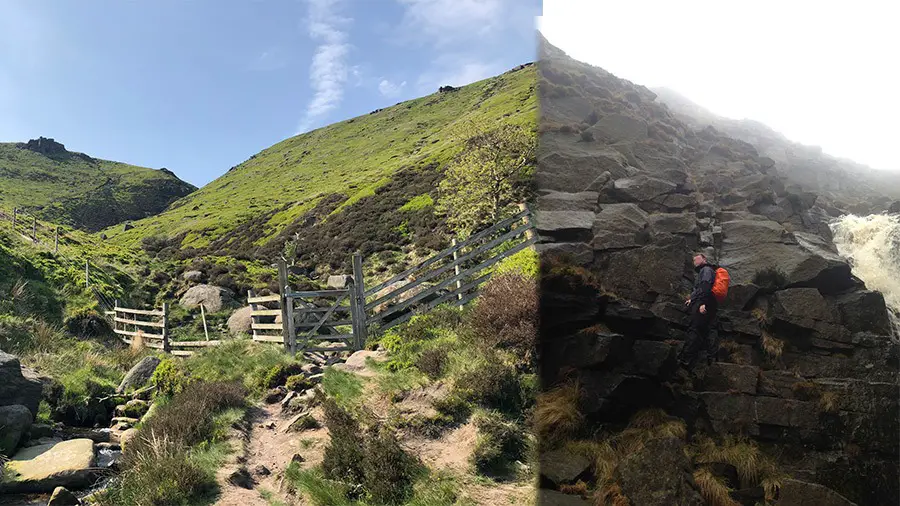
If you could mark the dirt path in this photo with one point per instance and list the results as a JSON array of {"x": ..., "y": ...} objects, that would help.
[{"x": 266, "y": 451}]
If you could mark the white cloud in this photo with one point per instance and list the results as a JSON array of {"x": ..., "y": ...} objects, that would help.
[
  {"x": 817, "y": 72},
  {"x": 271, "y": 59},
  {"x": 443, "y": 22},
  {"x": 329, "y": 69},
  {"x": 390, "y": 89}
]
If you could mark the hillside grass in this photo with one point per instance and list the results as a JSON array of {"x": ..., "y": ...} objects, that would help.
[
  {"x": 351, "y": 158},
  {"x": 80, "y": 191}
]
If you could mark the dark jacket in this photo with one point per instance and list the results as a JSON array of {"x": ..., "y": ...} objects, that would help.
[{"x": 703, "y": 283}]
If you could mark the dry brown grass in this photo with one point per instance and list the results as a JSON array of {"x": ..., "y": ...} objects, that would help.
[
  {"x": 828, "y": 402},
  {"x": 556, "y": 414},
  {"x": 578, "y": 488},
  {"x": 734, "y": 351},
  {"x": 606, "y": 454},
  {"x": 773, "y": 346},
  {"x": 610, "y": 495},
  {"x": 713, "y": 489},
  {"x": 754, "y": 467},
  {"x": 760, "y": 315}
]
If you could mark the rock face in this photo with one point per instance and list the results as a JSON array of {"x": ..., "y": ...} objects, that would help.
[
  {"x": 139, "y": 374},
  {"x": 18, "y": 385},
  {"x": 656, "y": 475},
  {"x": 213, "y": 298},
  {"x": 42, "y": 468},
  {"x": 15, "y": 420},
  {"x": 806, "y": 368}
]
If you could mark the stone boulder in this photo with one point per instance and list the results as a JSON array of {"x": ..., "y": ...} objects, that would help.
[
  {"x": 42, "y": 468},
  {"x": 619, "y": 226},
  {"x": 565, "y": 226},
  {"x": 562, "y": 466},
  {"x": 139, "y": 374},
  {"x": 561, "y": 201},
  {"x": 239, "y": 323},
  {"x": 800, "y": 493},
  {"x": 865, "y": 311},
  {"x": 619, "y": 128},
  {"x": 644, "y": 273},
  {"x": 214, "y": 298},
  {"x": 15, "y": 420},
  {"x": 339, "y": 282},
  {"x": 18, "y": 385},
  {"x": 894, "y": 208},
  {"x": 192, "y": 276},
  {"x": 751, "y": 247},
  {"x": 62, "y": 497},
  {"x": 640, "y": 188},
  {"x": 658, "y": 475},
  {"x": 579, "y": 171}
]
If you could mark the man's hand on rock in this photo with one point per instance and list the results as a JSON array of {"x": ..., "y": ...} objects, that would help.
[{"x": 703, "y": 309}]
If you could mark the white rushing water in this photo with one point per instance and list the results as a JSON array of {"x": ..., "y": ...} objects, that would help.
[{"x": 872, "y": 245}]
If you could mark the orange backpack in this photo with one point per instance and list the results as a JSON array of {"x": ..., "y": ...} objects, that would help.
[{"x": 720, "y": 285}]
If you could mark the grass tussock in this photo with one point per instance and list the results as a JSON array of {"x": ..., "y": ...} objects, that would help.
[
  {"x": 713, "y": 488},
  {"x": 754, "y": 467},
  {"x": 606, "y": 454},
  {"x": 829, "y": 402},
  {"x": 557, "y": 414},
  {"x": 174, "y": 457},
  {"x": 771, "y": 345}
]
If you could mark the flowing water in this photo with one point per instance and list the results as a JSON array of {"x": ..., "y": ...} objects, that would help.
[{"x": 872, "y": 245}]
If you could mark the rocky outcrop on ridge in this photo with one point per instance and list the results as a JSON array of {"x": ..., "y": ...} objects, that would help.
[{"x": 806, "y": 368}]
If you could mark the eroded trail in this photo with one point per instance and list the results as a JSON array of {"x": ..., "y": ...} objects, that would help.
[{"x": 265, "y": 448}]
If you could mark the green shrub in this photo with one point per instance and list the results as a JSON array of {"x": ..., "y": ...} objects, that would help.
[
  {"x": 524, "y": 262},
  {"x": 298, "y": 383},
  {"x": 87, "y": 322},
  {"x": 491, "y": 384},
  {"x": 499, "y": 444},
  {"x": 389, "y": 471},
  {"x": 506, "y": 317},
  {"x": 163, "y": 475},
  {"x": 344, "y": 454},
  {"x": 278, "y": 374},
  {"x": 188, "y": 418},
  {"x": 169, "y": 377},
  {"x": 432, "y": 362}
]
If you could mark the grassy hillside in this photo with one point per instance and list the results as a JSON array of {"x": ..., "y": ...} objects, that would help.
[
  {"x": 77, "y": 190},
  {"x": 310, "y": 182}
]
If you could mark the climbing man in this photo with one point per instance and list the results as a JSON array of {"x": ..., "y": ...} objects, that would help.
[{"x": 710, "y": 288}]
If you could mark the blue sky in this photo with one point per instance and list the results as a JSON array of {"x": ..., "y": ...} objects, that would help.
[{"x": 199, "y": 86}]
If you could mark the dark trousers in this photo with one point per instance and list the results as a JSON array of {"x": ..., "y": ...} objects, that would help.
[{"x": 702, "y": 335}]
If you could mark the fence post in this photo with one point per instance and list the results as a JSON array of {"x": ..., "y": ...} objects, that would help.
[
  {"x": 292, "y": 329},
  {"x": 287, "y": 319},
  {"x": 456, "y": 271},
  {"x": 15, "y": 215},
  {"x": 250, "y": 295},
  {"x": 165, "y": 327},
  {"x": 116, "y": 315},
  {"x": 87, "y": 274},
  {"x": 34, "y": 228},
  {"x": 203, "y": 315},
  {"x": 56, "y": 240},
  {"x": 528, "y": 233},
  {"x": 360, "y": 320}
]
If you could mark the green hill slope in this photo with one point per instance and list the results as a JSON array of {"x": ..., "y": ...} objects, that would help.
[
  {"x": 390, "y": 155},
  {"x": 75, "y": 189}
]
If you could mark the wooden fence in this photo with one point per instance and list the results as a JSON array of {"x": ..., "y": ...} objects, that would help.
[
  {"x": 338, "y": 319},
  {"x": 151, "y": 327}
]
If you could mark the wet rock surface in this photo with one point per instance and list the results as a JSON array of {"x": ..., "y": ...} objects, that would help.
[{"x": 806, "y": 367}]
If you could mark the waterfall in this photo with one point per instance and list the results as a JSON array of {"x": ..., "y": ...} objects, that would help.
[{"x": 872, "y": 246}]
